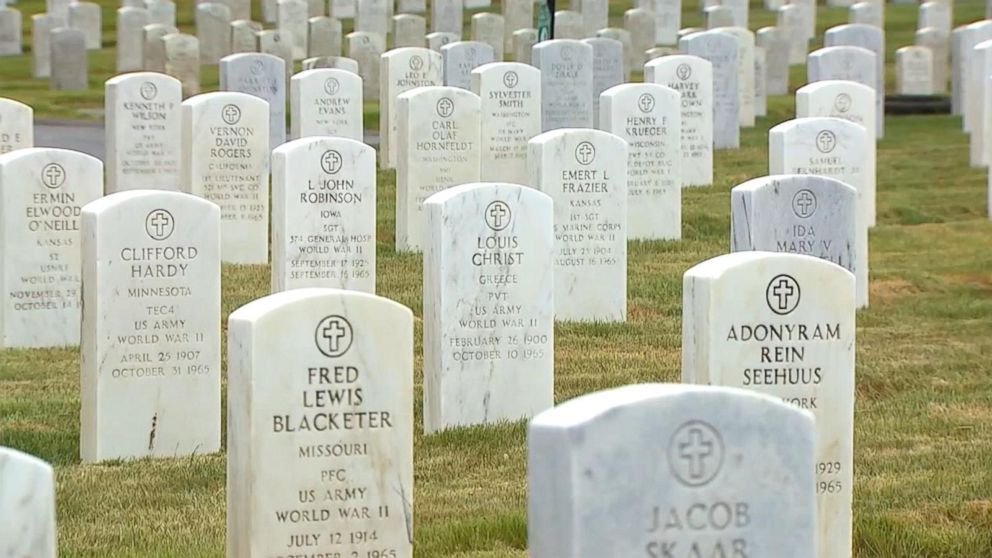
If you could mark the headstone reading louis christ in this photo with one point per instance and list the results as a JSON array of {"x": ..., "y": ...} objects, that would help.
[
  {"x": 42, "y": 191},
  {"x": 763, "y": 322},
  {"x": 663, "y": 470},
  {"x": 225, "y": 138},
  {"x": 488, "y": 305},
  {"x": 323, "y": 215},
  {"x": 151, "y": 326},
  {"x": 142, "y": 131},
  {"x": 320, "y": 442}
]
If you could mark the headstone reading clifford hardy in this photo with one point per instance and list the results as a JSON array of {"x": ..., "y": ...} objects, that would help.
[
  {"x": 691, "y": 76},
  {"x": 142, "y": 131},
  {"x": 510, "y": 94},
  {"x": 326, "y": 102},
  {"x": 566, "y": 83},
  {"x": 16, "y": 125},
  {"x": 225, "y": 146},
  {"x": 648, "y": 117},
  {"x": 264, "y": 76},
  {"x": 666, "y": 470},
  {"x": 783, "y": 325},
  {"x": 585, "y": 173},
  {"x": 27, "y": 505},
  {"x": 323, "y": 215},
  {"x": 151, "y": 326},
  {"x": 320, "y": 435},
  {"x": 42, "y": 191},
  {"x": 438, "y": 148},
  {"x": 488, "y": 305}
]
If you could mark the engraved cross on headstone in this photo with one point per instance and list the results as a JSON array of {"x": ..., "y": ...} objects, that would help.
[
  {"x": 783, "y": 290},
  {"x": 334, "y": 333},
  {"x": 695, "y": 450}
]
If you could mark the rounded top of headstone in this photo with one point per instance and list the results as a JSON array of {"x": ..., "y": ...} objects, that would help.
[
  {"x": 818, "y": 122},
  {"x": 114, "y": 201},
  {"x": 11, "y": 455},
  {"x": 636, "y": 91},
  {"x": 439, "y": 90},
  {"x": 827, "y": 84},
  {"x": 49, "y": 153},
  {"x": 141, "y": 77},
  {"x": 516, "y": 190},
  {"x": 675, "y": 59},
  {"x": 585, "y": 408},
  {"x": 229, "y": 97},
  {"x": 10, "y": 104},
  {"x": 262, "y": 307},
  {"x": 840, "y": 50},
  {"x": 806, "y": 180},
  {"x": 727, "y": 263},
  {"x": 317, "y": 142},
  {"x": 590, "y": 134},
  {"x": 492, "y": 67}
]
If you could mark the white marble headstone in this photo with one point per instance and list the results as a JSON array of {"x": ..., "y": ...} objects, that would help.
[
  {"x": 142, "y": 131},
  {"x": 871, "y": 38},
  {"x": 323, "y": 215},
  {"x": 446, "y": 16},
  {"x": 776, "y": 46},
  {"x": 150, "y": 360},
  {"x": 16, "y": 125},
  {"x": 914, "y": 71},
  {"x": 488, "y": 305},
  {"x": 665, "y": 470},
  {"x": 11, "y": 25},
  {"x": 213, "y": 29},
  {"x": 263, "y": 76},
  {"x": 27, "y": 506},
  {"x": 783, "y": 325},
  {"x": 326, "y": 102},
  {"x": 372, "y": 16},
  {"x": 745, "y": 73},
  {"x": 460, "y": 58},
  {"x": 401, "y": 70},
  {"x": 320, "y": 426},
  {"x": 585, "y": 173},
  {"x": 130, "y": 22},
  {"x": 291, "y": 21},
  {"x": 517, "y": 15},
  {"x": 849, "y": 63},
  {"x": 488, "y": 28},
  {"x": 409, "y": 30},
  {"x": 510, "y": 94},
  {"x": 225, "y": 159},
  {"x": 566, "y": 83},
  {"x": 182, "y": 61},
  {"x": 87, "y": 17},
  {"x": 42, "y": 191},
  {"x": 69, "y": 60},
  {"x": 722, "y": 51},
  {"x": 366, "y": 49},
  {"x": 607, "y": 69},
  {"x": 691, "y": 76}
]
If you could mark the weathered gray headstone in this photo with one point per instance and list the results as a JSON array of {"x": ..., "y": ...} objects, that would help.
[
  {"x": 243, "y": 36},
  {"x": 275, "y": 43},
  {"x": 523, "y": 44},
  {"x": 86, "y": 17},
  {"x": 153, "y": 47},
  {"x": 668, "y": 19},
  {"x": 323, "y": 214},
  {"x": 320, "y": 415},
  {"x": 291, "y": 21},
  {"x": 582, "y": 169},
  {"x": 16, "y": 125},
  {"x": 182, "y": 61},
  {"x": 324, "y": 38},
  {"x": 130, "y": 38},
  {"x": 488, "y": 305},
  {"x": 42, "y": 191},
  {"x": 372, "y": 16},
  {"x": 776, "y": 46},
  {"x": 401, "y": 70},
  {"x": 10, "y": 31},
  {"x": 69, "y": 60},
  {"x": 595, "y": 15},
  {"x": 640, "y": 23},
  {"x": 409, "y": 30},
  {"x": 510, "y": 94},
  {"x": 488, "y": 28},
  {"x": 460, "y": 58},
  {"x": 790, "y": 22},
  {"x": 446, "y": 16},
  {"x": 566, "y": 83},
  {"x": 662, "y": 470},
  {"x": 42, "y": 26},
  {"x": 341, "y": 9},
  {"x": 517, "y": 15},
  {"x": 568, "y": 25},
  {"x": 161, "y": 11},
  {"x": 629, "y": 59},
  {"x": 213, "y": 29},
  {"x": 366, "y": 49},
  {"x": 263, "y": 76},
  {"x": 607, "y": 69},
  {"x": 150, "y": 352},
  {"x": 848, "y": 63},
  {"x": 722, "y": 51},
  {"x": 27, "y": 508}
]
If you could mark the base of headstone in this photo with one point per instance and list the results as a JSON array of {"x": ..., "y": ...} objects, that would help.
[{"x": 917, "y": 104}]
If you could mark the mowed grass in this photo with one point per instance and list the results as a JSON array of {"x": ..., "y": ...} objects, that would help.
[{"x": 923, "y": 459}]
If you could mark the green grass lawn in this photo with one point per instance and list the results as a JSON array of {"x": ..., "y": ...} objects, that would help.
[{"x": 923, "y": 454}]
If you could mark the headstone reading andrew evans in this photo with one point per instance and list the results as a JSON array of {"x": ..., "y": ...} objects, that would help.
[
  {"x": 263, "y": 76},
  {"x": 510, "y": 94},
  {"x": 488, "y": 305},
  {"x": 802, "y": 214},
  {"x": 151, "y": 326},
  {"x": 847, "y": 100},
  {"x": 42, "y": 191},
  {"x": 16, "y": 125},
  {"x": 326, "y": 102},
  {"x": 783, "y": 325},
  {"x": 142, "y": 131},
  {"x": 320, "y": 435},
  {"x": 691, "y": 76},
  {"x": 665, "y": 470},
  {"x": 829, "y": 147},
  {"x": 225, "y": 147},
  {"x": 566, "y": 83},
  {"x": 27, "y": 505},
  {"x": 323, "y": 215},
  {"x": 438, "y": 148},
  {"x": 647, "y": 116},
  {"x": 401, "y": 70},
  {"x": 460, "y": 58},
  {"x": 607, "y": 69},
  {"x": 182, "y": 61},
  {"x": 585, "y": 173},
  {"x": 722, "y": 52}
]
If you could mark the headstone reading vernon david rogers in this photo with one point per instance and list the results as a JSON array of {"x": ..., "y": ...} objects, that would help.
[
  {"x": 323, "y": 214},
  {"x": 320, "y": 435},
  {"x": 42, "y": 191},
  {"x": 16, "y": 125},
  {"x": 427, "y": 164},
  {"x": 225, "y": 146},
  {"x": 665, "y": 470},
  {"x": 142, "y": 131},
  {"x": 151, "y": 326},
  {"x": 765, "y": 322},
  {"x": 27, "y": 506},
  {"x": 585, "y": 173},
  {"x": 648, "y": 117},
  {"x": 263, "y": 76},
  {"x": 692, "y": 77},
  {"x": 326, "y": 102},
  {"x": 510, "y": 93},
  {"x": 488, "y": 305},
  {"x": 566, "y": 83}
]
